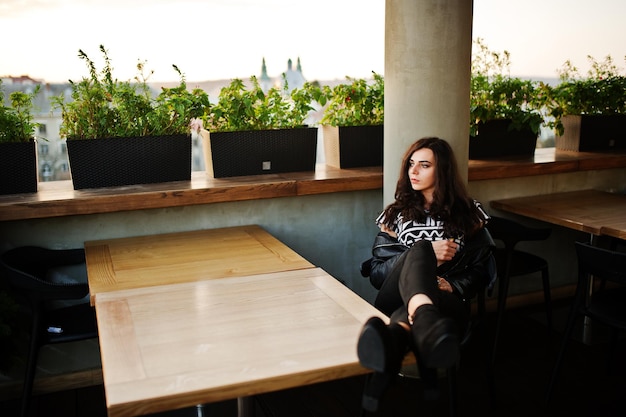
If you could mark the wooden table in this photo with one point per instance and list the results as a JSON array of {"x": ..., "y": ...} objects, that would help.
[
  {"x": 591, "y": 211},
  {"x": 616, "y": 229},
  {"x": 172, "y": 346},
  {"x": 197, "y": 317},
  {"x": 133, "y": 262}
]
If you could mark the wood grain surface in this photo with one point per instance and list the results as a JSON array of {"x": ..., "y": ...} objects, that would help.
[
  {"x": 173, "y": 346},
  {"x": 591, "y": 211},
  {"x": 132, "y": 262}
]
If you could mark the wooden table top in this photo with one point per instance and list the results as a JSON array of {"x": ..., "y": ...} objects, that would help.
[
  {"x": 118, "y": 264},
  {"x": 175, "y": 346},
  {"x": 591, "y": 211},
  {"x": 617, "y": 229}
]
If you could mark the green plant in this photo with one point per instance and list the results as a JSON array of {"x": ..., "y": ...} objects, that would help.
[
  {"x": 358, "y": 103},
  {"x": 241, "y": 108},
  {"x": 16, "y": 120},
  {"x": 494, "y": 94},
  {"x": 602, "y": 91},
  {"x": 104, "y": 107}
]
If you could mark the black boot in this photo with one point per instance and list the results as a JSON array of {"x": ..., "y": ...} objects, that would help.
[
  {"x": 436, "y": 338},
  {"x": 382, "y": 347},
  {"x": 376, "y": 385}
]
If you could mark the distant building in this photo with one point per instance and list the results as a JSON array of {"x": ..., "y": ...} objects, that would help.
[
  {"x": 264, "y": 80},
  {"x": 51, "y": 149},
  {"x": 21, "y": 80},
  {"x": 294, "y": 77}
]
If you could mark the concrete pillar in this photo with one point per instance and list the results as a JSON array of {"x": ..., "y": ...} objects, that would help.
[{"x": 427, "y": 78}]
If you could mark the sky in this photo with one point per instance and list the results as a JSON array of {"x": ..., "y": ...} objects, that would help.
[{"x": 224, "y": 39}]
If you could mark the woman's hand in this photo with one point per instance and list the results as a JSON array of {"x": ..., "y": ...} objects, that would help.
[
  {"x": 384, "y": 228},
  {"x": 443, "y": 284},
  {"x": 444, "y": 250}
]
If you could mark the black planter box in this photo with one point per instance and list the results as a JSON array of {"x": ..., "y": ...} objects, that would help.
[
  {"x": 494, "y": 139},
  {"x": 353, "y": 146},
  {"x": 592, "y": 132},
  {"x": 18, "y": 167},
  {"x": 113, "y": 162},
  {"x": 256, "y": 152}
]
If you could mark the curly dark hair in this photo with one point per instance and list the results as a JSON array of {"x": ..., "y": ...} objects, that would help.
[{"x": 451, "y": 203}]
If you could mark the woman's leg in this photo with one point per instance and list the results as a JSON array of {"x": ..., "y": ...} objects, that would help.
[
  {"x": 410, "y": 295},
  {"x": 417, "y": 283},
  {"x": 435, "y": 335},
  {"x": 388, "y": 298},
  {"x": 413, "y": 274},
  {"x": 381, "y": 348}
]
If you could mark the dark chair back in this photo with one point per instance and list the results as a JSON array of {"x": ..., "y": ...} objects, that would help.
[
  {"x": 511, "y": 232},
  {"x": 512, "y": 262},
  {"x": 45, "y": 274},
  {"x": 54, "y": 282},
  {"x": 605, "y": 264},
  {"x": 606, "y": 305}
]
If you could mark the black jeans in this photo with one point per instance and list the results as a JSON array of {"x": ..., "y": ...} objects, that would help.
[{"x": 416, "y": 273}]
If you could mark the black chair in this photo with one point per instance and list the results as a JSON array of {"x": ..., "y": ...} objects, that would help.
[
  {"x": 54, "y": 285},
  {"x": 606, "y": 305},
  {"x": 512, "y": 262}
]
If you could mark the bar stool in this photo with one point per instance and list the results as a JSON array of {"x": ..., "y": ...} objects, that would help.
[
  {"x": 512, "y": 262},
  {"x": 54, "y": 284}
]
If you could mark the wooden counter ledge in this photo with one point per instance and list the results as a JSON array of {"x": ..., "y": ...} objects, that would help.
[{"x": 58, "y": 198}]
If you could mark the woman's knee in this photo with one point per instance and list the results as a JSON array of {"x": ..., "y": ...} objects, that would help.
[{"x": 422, "y": 249}]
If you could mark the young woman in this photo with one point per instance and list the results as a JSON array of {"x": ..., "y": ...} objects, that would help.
[{"x": 442, "y": 257}]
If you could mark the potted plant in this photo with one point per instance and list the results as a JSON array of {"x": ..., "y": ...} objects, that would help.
[
  {"x": 251, "y": 132},
  {"x": 589, "y": 112},
  {"x": 505, "y": 116},
  {"x": 120, "y": 133},
  {"x": 18, "y": 166},
  {"x": 352, "y": 124}
]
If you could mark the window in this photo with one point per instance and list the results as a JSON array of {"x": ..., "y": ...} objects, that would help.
[{"x": 46, "y": 172}]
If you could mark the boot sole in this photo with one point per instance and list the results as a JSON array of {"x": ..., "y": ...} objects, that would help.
[{"x": 371, "y": 348}]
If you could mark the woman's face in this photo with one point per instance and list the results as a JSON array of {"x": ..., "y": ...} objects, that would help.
[{"x": 422, "y": 172}]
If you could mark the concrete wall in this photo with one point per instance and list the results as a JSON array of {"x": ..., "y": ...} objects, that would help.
[{"x": 332, "y": 231}]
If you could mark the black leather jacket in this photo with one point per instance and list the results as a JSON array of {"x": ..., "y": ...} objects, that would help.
[{"x": 470, "y": 271}]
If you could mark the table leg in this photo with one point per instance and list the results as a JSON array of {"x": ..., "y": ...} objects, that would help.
[
  {"x": 245, "y": 407},
  {"x": 586, "y": 336}
]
